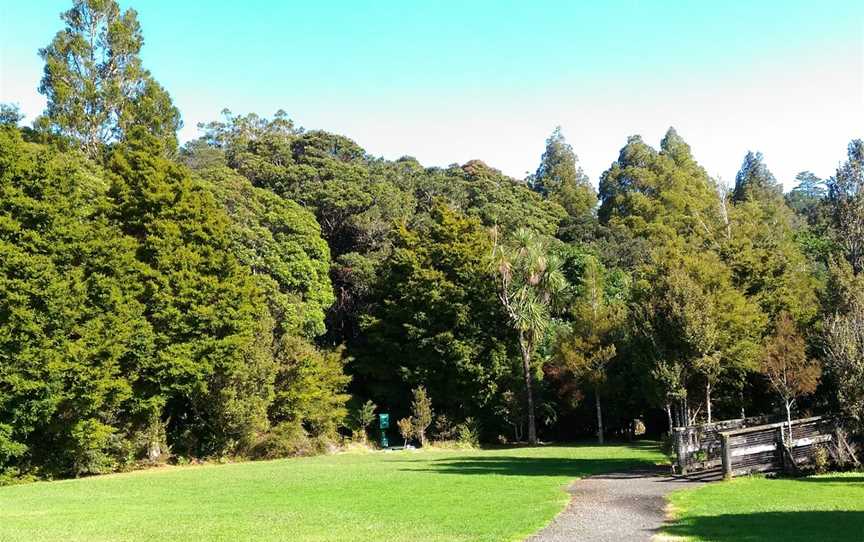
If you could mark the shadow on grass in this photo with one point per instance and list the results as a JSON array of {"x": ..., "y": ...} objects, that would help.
[
  {"x": 833, "y": 480},
  {"x": 533, "y": 466},
  {"x": 809, "y": 526}
]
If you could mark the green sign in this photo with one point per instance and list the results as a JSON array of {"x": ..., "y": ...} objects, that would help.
[{"x": 384, "y": 421}]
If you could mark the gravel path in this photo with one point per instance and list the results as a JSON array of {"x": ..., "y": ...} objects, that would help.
[{"x": 615, "y": 507}]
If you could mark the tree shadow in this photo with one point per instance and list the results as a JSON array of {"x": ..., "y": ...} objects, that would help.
[
  {"x": 805, "y": 526},
  {"x": 833, "y": 479},
  {"x": 535, "y": 466}
]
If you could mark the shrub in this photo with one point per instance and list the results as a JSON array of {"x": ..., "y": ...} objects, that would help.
[
  {"x": 406, "y": 429},
  {"x": 92, "y": 448},
  {"x": 468, "y": 433},
  {"x": 421, "y": 410},
  {"x": 821, "y": 459},
  {"x": 288, "y": 440},
  {"x": 364, "y": 416}
]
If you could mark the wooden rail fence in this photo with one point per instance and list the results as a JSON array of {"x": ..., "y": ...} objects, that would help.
[
  {"x": 769, "y": 448},
  {"x": 744, "y": 446},
  {"x": 698, "y": 447}
]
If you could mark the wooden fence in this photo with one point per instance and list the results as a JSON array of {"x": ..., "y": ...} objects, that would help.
[
  {"x": 744, "y": 446},
  {"x": 698, "y": 447},
  {"x": 769, "y": 448}
]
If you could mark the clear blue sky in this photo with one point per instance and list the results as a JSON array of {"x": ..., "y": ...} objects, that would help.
[{"x": 451, "y": 81}]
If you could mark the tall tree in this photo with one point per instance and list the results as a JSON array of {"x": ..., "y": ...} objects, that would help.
[
  {"x": 561, "y": 179},
  {"x": 846, "y": 197},
  {"x": 96, "y": 87},
  {"x": 588, "y": 346},
  {"x": 531, "y": 286},
  {"x": 843, "y": 341},
  {"x": 437, "y": 321},
  {"x": 659, "y": 196},
  {"x": 755, "y": 180},
  {"x": 807, "y": 196}
]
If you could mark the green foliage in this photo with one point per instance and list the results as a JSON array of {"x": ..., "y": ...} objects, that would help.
[
  {"x": 659, "y": 195},
  {"x": 96, "y": 87},
  {"x": 531, "y": 288},
  {"x": 310, "y": 387},
  {"x": 421, "y": 413},
  {"x": 406, "y": 429},
  {"x": 846, "y": 198},
  {"x": 560, "y": 178},
  {"x": 438, "y": 321},
  {"x": 10, "y": 115},
  {"x": 843, "y": 344},
  {"x": 755, "y": 181},
  {"x": 73, "y": 330}
]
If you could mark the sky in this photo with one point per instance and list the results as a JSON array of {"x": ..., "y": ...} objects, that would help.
[{"x": 450, "y": 81}]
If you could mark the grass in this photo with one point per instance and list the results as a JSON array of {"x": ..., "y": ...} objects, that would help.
[
  {"x": 824, "y": 508},
  {"x": 494, "y": 495}
]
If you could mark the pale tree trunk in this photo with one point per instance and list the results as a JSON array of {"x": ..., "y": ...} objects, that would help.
[
  {"x": 789, "y": 421},
  {"x": 526, "y": 369},
  {"x": 599, "y": 416},
  {"x": 708, "y": 399},
  {"x": 669, "y": 416}
]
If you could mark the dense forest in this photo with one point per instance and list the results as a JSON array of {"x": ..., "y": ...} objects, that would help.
[{"x": 248, "y": 293}]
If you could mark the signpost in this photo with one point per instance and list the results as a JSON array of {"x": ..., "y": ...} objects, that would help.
[{"x": 384, "y": 424}]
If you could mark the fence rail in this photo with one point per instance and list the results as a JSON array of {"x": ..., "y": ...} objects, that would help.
[
  {"x": 698, "y": 447},
  {"x": 746, "y": 446}
]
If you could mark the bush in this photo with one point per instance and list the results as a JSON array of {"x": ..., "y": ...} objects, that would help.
[
  {"x": 289, "y": 440},
  {"x": 92, "y": 449},
  {"x": 468, "y": 433},
  {"x": 821, "y": 459}
]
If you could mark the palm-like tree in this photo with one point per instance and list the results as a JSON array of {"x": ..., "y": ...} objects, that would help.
[{"x": 531, "y": 285}]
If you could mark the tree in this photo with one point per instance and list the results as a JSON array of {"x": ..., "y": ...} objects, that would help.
[
  {"x": 843, "y": 341},
  {"x": 846, "y": 198},
  {"x": 531, "y": 286},
  {"x": 762, "y": 247},
  {"x": 213, "y": 366},
  {"x": 807, "y": 197},
  {"x": 436, "y": 320},
  {"x": 364, "y": 417},
  {"x": 588, "y": 346},
  {"x": 406, "y": 429},
  {"x": 96, "y": 87},
  {"x": 74, "y": 331},
  {"x": 560, "y": 178},
  {"x": 786, "y": 365},
  {"x": 699, "y": 326},
  {"x": 659, "y": 196},
  {"x": 755, "y": 180},
  {"x": 421, "y": 413},
  {"x": 10, "y": 114}
]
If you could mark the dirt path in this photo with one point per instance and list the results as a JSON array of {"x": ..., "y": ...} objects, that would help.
[{"x": 615, "y": 507}]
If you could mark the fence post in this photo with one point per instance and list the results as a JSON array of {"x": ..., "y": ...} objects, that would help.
[
  {"x": 781, "y": 447},
  {"x": 726, "y": 450},
  {"x": 681, "y": 450}
]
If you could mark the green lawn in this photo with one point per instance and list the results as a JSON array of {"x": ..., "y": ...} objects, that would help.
[
  {"x": 818, "y": 508},
  {"x": 494, "y": 495}
]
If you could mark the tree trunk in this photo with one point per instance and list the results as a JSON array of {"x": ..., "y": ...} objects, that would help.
[
  {"x": 789, "y": 421},
  {"x": 669, "y": 416},
  {"x": 708, "y": 399},
  {"x": 599, "y": 416},
  {"x": 526, "y": 369}
]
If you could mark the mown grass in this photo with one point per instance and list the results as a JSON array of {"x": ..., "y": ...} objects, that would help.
[
  {"x": 494, "y": 495},
  {"x": 817, "y": 508}
]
